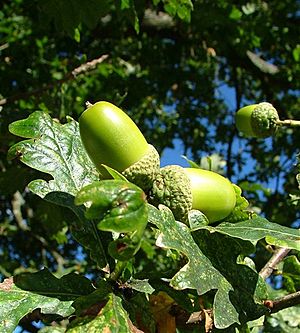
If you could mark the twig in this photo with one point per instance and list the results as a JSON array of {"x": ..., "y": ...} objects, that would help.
[
  {"x": 69, "y": 76},
  {"x": 288, "y": 122},
  {"x": 270, "y": 266},
  {"x": 283, "y": 302}
]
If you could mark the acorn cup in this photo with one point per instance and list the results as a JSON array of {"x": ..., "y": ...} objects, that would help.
[{"x": 111, "y": 138}]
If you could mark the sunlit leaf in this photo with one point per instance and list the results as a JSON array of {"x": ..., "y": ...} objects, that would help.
[
  {"x": 259, "y": 228},
  {"x": 199, "y": 272},
  {"x": 56, "y": 149}
]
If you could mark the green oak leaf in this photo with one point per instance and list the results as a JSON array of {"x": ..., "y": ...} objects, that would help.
[
  {"x": 258, "y": 228},
  {"x": 52, "y": 329},
  {"x": 112, "y": 318},
  {"x": 120, "y": 206},
  {"x": 15, "y": 303},
  {"x": 142, "y": 286},
  {"x": 225, "y": 253},
  {"x": 43, "y": 282},
  {"x": 67, "y": 16},
  {"x": 198, "y": 273},
  {"x": 117, "y": 206},
  {"x": 56, "y": 149},
  {"x": 291, "y": 273},
  {"x": 93, "y": 300}
]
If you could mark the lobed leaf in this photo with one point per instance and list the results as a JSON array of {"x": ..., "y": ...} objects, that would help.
[
  {"x": 16, "y": 303},
  {"x": 67, "y": 288},
  {"x": 199, "y": 272},
  {"x": 54, "y": 149},
  {"x": 258, "y": 228},
  {"x": 57, "y": 150}
]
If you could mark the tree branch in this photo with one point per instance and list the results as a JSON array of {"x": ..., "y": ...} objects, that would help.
[
  {"x": 270, "y": 266},
  {"x": 83, "y": 68},
  {"x": 283, "y": 302},
  {"x": 288, "y": 122}
]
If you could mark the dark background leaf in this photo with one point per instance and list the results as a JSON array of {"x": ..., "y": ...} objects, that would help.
[{"x": 67, "y": 288}]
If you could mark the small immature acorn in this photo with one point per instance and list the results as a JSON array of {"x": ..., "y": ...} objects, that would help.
[
  {"x": 182, "y": 189},
  {"x": 257, "y": 120},
  {"x": 110, "y": 137}
]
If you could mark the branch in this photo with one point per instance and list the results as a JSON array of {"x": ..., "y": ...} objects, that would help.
[
  {"x": 69, "y": 76},
  {"x": 270, "y": 266},
  {"x": 283, "y": 302},
  {"x": 288, "y": 122}
]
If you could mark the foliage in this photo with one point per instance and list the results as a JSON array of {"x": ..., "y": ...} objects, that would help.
[{"x": 171, "y": 65}]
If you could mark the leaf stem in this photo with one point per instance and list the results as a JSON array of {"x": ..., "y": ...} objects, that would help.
[
  {"x": 120, "y": 265},
  {"x": 288, "y": 122},
  {"x": 270, "y": 266}
]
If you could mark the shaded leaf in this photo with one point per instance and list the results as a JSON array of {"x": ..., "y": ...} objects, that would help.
[
  {"x": 16, "y": 303},
  {"x": 140, "y": 312},
  {"x": 67, "y": 288},
  {"x": 93, "y": 301},
  {"x": 67, "y": 15},
  {"x": 291, "y": 273},
  {"x": 83, "y": 230},
  {"x": 112, "y": 318}
]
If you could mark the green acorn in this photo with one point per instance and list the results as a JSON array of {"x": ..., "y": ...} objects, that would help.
[
  {"x": 182, "y": 189},
  {"x": 257, "y": 120},
  {"x": 110, "y": 137}
]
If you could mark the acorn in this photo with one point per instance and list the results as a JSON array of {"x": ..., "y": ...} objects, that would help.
[
  {"x": 183, "y": 189},
  {"x": 111, "y": 138},
  {"x": 257, "y": 120}
]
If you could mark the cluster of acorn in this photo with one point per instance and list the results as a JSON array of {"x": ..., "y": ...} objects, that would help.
[{"x": 111, "y": 138}]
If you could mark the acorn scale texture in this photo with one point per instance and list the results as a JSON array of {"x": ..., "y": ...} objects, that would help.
[
  {"x": 172, "y": 188},
  {"x": 144, "y": 172},
  {"x": 264, "y": 120}
]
